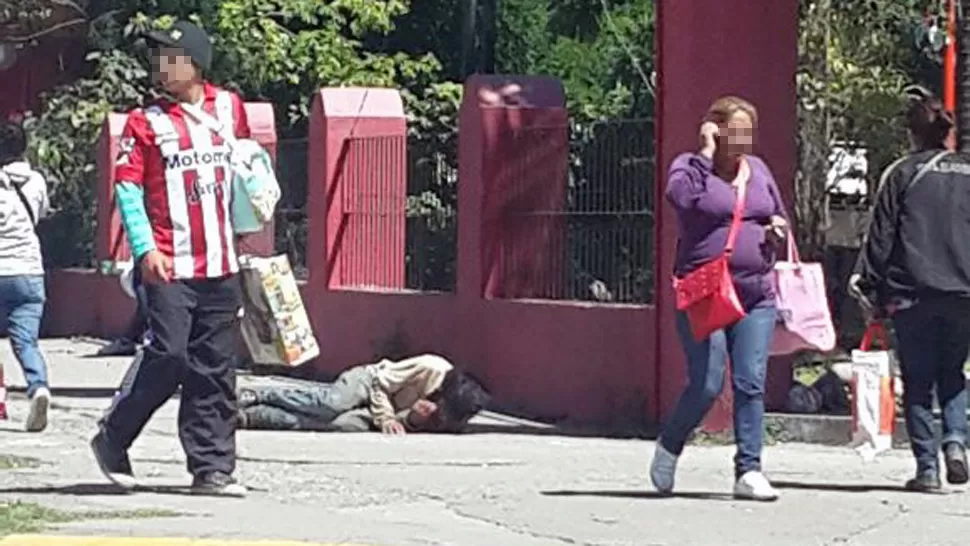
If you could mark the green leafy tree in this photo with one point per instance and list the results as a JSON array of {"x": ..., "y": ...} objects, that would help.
[
  {"x": 603, "y": 53},
  {"x": 282, "y": 51},
  {"x": 855, "y": 59}
]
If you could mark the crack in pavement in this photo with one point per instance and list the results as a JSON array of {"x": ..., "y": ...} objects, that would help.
[
  {"x": 901, "y": 510},
  {"x": 504, "y": 526}
]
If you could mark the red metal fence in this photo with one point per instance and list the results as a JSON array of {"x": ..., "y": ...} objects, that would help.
[
  {"x": 373, "y": 205},
  {"x": 581, "y": 229},
  {"x": 525, "y": 211}
]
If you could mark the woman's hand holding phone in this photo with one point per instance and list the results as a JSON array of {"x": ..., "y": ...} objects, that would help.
[{"x": 708, "y": 137}]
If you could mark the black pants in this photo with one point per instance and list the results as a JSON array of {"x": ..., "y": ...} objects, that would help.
[
  {"x": 194, "y": 327},
  {"x": 138, "y": 325},
  {"x": 934, "y": 338}
]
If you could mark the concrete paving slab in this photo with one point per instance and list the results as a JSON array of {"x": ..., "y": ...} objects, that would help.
[
  {"x": 474, "y": 490},
  {"x": 40, "y": 540}
]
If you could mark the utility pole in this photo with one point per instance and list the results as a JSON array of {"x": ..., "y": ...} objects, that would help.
[
  {"x": 489, "y": 35},
  {"x": 479, "y": 32},
  {"x": 950, "y": 58},
  {"x": 469, "y": 25},
  {"x": 962, "y": 80}
]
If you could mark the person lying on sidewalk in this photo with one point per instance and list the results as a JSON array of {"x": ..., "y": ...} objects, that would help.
[{"x": 420, "y": 394}]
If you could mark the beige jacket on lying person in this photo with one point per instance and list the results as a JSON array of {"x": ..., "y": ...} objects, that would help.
[{"x": 397, "y": 385}]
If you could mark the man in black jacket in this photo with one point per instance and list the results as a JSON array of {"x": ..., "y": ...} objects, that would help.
[{"x": 915, "y": 267}]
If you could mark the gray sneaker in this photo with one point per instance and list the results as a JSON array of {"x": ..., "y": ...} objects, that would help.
[
  {"x": 217, "y": 484},
  {"x": 112, "y": 461},
  {"x": 40, "y": 402},
  {"x": 663, "y": 468},
  {"x": 955, "y": 458},
  {"x": 246, "y": 398}
]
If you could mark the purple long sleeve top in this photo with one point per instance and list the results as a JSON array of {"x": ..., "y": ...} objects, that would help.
[{"x": 705, "y": 205}]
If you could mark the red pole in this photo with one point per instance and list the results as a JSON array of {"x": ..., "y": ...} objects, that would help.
[{"x": 950, "y": 65}]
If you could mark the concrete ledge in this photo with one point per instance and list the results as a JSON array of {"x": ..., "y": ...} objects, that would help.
[{"x": 833, "y": 430}]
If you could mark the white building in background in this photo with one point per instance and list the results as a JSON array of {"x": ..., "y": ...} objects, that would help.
[{"x": 848, "y": 168}]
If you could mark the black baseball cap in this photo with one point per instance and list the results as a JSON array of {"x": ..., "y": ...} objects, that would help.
[{"x": 188, "y": 37}]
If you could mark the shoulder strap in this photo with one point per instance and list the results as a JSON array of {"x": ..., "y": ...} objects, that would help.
[
  {"x": 744, "y": 174},
  {"x": 927, "y": 167},
  {"x": 210, "y": 122},
  {"x": 23, "y": 199}
]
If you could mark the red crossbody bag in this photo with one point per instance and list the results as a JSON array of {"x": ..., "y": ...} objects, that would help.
[{"x": 707, "y": 294}]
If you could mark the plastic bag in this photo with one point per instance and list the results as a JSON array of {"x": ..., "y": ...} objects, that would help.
[{"x": 873, "y": 396}]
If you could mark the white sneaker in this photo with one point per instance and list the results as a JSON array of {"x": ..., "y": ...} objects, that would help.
[
  {"x": 40, "y": 402},
  {"x": 754, "y": 486},
  {"x": 663, "y": 468}
]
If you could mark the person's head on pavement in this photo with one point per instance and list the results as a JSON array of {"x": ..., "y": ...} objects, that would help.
[
  {"x": 449, "y": 409},
  {"x": 180, "y": 57}
]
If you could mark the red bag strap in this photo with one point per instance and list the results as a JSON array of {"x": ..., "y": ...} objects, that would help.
[
  {"x": 874, "y": 330},
  {"x": 744, "y": 173}
]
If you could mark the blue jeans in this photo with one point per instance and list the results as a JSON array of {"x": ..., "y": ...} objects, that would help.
[
  {"x": 746, "y": 343},
  {"x": 933, "y": 338},
  {"x": 21, "y": 309},
  {"x": 340, "y": 406}
]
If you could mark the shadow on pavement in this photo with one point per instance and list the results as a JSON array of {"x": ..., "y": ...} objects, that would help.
[
  {"x": 78, "y": 490},
  {"x": 93, "y": 490},
  {"x": 842, "y": 488},
  {"x": 646, "y": 495}
]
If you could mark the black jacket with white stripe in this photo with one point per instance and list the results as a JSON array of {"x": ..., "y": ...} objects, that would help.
[{"x": 918, "y": 244}]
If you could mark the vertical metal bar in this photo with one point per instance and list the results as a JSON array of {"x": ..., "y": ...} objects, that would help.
[
  {"x": 489, "y": 35},
  {"x": 360, "y": 187},
  {"x": 385, "y": 205},
  {"x": 950, "y": 58},
  {"x": 376, "y": 161},
  {"x": 469, "y": 64},
  {"x": 400, "y": 204}
]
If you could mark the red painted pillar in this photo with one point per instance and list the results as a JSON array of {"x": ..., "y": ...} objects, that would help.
[
  {"x": 732, "y": 47},
  {"x": 513, "y": 156},
  {"x": 110, "y": 242},
  {"x": 356, "y": 194},
  {"x": 517, "y": 129}
]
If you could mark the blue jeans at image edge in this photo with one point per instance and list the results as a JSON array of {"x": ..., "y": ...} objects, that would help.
[
  {"x": 21, "y": 310},
  {"x": 748, "y": 343}
]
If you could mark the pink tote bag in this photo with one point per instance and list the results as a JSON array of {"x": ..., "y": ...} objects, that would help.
[{"x": 804, "y": 319}]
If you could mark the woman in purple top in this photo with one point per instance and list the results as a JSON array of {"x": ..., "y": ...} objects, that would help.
[{"x": 701, "y": 188}]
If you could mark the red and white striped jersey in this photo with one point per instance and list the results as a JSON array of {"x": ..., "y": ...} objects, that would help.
[{"x": 184, "y": 170}]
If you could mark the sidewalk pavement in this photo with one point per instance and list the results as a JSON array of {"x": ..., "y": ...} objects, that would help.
[
  {"x": 39, "y": 540},
  {"x": 466, "y": 490},
  {"x": 72, "y": 366}
]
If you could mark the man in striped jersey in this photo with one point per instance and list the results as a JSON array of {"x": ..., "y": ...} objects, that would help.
[{"x": 173, "y": 189}]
